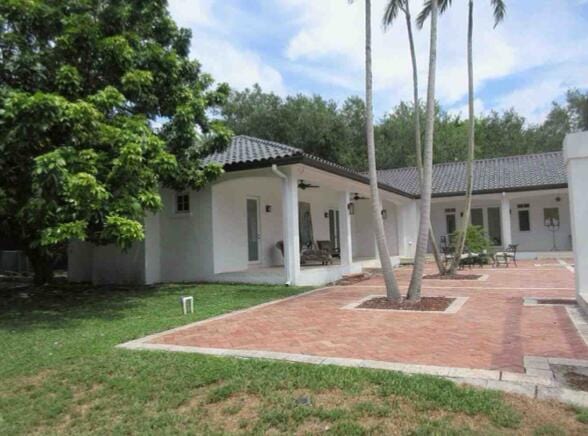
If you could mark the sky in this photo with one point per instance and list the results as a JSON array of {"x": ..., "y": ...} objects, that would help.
[{"x": 317, "y": 47}]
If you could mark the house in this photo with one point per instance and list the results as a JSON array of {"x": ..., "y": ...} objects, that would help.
[{"x": 250, "y": 224}]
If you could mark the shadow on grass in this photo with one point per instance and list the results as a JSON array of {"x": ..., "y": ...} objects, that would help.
[{"x": 59, "y": 304}]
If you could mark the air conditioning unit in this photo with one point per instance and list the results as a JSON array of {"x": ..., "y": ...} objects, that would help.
[{"x": 14, "y": 261}]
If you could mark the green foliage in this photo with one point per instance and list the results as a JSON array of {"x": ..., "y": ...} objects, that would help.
[
  {"x": 476, "y": 239},
  {"x": 337, "y": 132},
  {"x": 82, "y": 85}
]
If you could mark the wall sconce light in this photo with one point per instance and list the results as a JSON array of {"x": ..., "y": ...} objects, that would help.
[
  {"x": 351, "y": 208},
  {"x": 326, "y": 214},
  {"x": 384, "y": 214},
  {"x": 268, "y": 208},
  {"x": 558, "y": 199}
]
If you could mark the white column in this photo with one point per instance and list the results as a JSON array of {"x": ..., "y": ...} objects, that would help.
[
  {"x": 290, "y": 227},
  {"x": 345, "y": 230},
  {"x": 576, "y": 160},
  {"x": 505, "y": 221},
  {"x": 408, "y": 221}
]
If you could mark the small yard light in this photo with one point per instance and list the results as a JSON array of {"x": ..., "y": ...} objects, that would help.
[{"x": 184, "y": 300}]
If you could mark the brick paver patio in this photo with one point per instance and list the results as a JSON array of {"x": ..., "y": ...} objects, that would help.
[{"x": 493, "y": 329}]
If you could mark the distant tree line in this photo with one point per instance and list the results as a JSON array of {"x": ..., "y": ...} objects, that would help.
[{"x": 336, "y": 132}]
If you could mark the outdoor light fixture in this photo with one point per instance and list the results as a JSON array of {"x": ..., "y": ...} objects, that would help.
[
  {"x": 268, "y": 208},
  {"x": 552, "y": 225},
  {"x": 384, "y": 214},
  {"x": 326, "y": 214},
  {"x": 558, "y": 199},
  {"x": 351, "y": 208}
]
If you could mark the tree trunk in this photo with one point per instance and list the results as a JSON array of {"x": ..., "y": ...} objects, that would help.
[
  {"x": 392, "y": 291},
  {"x": 471, "y": 146},
  {"x": 414, "y": 289},
  {"x": 42, "y": 266},
  {"x": 417, "y": 129}
]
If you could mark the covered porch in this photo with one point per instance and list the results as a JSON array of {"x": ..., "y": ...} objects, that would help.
[
  {"x": 265, "y": 222},
  {"x": 536, "y": 221}
]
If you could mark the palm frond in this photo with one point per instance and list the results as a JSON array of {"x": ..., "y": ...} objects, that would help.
[
  {"x": 499, "y": 11},
  {"x": 391, "y": 12},
  {"x": 424, "y": 14}
]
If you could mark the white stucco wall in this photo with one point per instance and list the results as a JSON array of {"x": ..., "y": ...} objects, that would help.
[
  {"x": 391, "y": 227},
  {"x": 539, "y": 238},
  {"x": 230, "y": 221},
  {"x": 79, "y": 261},
  {"x": 152, "y": 248},
  {"x": 106, "y": 264},
  {"x": 576, "y": 160},
  {"x": 407, "y": 219},
  {"x": 363, "y": 238},
  {"x": 186, "y": 251}
]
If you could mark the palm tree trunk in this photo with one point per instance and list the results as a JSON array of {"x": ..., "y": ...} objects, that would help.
[
  {"x": 471, "y": 146},
  {"x": 392, "y": 291},
  {"x": 414, "y": 289},
  {"x": 417, "y": 129}
]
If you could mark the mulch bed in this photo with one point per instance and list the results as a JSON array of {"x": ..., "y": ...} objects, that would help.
[
  {"x": 453, "y": 276},
  {"x": 556, "y": 301},
  {"x": 426, "y": 304}
]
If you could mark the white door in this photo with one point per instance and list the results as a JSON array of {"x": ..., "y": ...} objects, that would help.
[{"x": 253, "y": 229}]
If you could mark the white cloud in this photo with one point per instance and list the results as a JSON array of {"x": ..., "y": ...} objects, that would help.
[
  {"x": 463, "y": 110},
  {"x": 238, "y": 67},
  {"x": 533, "y": 100},
  {"x": 533, "y": 35},
  {"x": 216, "y": 50}
]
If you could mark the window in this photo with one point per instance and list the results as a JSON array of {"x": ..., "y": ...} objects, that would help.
[
  {"x": 182, "y": 203},
  {"x": 450, "y": 222},
  {"x": 551, "y": 216},
  {"x": 477, "y": 217},
  {"x": 524, "y": 217}
]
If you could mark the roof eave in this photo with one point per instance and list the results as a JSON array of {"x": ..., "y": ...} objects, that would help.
[
  {"x": 302, "y": 159},
  {"x": 501, "y": 190}
]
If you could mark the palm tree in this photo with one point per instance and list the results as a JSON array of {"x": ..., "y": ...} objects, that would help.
[
  {"x": 414, "y": 289},
  {"x": 499, "y": 10},
  {"x": 392, "y": 291},
  {"x": 390, "y": 14}
]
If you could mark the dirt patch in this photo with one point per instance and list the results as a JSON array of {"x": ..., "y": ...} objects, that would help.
[
  {"x": 556, "y": 301},
  {"x": 453, "y": 276},
  {"x": 425, "y": 304},
  {"x": 574, "y": 377}
]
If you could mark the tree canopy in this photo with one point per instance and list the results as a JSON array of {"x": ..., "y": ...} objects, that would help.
[
  {"x": 83, "y": 83},
  {"x": 336, "y": 132}
]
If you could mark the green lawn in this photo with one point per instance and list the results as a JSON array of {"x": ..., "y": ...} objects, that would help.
[{"x": 60, "y": 373}]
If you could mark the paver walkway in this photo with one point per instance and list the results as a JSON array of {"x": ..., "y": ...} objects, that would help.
[{"x": 492, "y": 330}]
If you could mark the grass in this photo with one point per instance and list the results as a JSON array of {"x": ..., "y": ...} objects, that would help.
[{"x": 61, "y": 374}]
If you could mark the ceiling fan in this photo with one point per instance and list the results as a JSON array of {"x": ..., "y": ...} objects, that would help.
[
  {"x": 356, "y": 197},
  {"x": 303, "y": 186}
]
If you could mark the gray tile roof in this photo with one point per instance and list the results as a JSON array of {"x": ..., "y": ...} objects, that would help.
[
  {"x": 526, "y": 172},
  {"x": 511, "y": 173},
  {"x": 246, "y": 149}
]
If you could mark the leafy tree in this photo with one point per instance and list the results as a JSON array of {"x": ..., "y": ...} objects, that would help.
[
  {"x": 82, "y": 84},
  {"x": 311, "y": 123}
]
